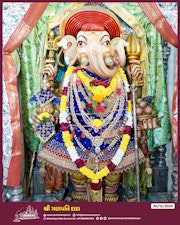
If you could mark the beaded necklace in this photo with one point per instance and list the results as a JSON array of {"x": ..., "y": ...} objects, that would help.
[
  {"x": 94, "y": 176},
  {"x": 107, "y": 104},
  {"x": 97, "y": 141},
  {"x": 99, "y": 92},
  {"x": 100, "y": 154},
  {"x": 92, "y": 75},
  {"x": 118, "y": 106}
]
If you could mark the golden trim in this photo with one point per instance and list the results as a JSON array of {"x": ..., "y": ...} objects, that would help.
[
  {"x": 145, "y": 117},
  {"x": 111, "y": 197},
  {"x": 79, "y": 196}
]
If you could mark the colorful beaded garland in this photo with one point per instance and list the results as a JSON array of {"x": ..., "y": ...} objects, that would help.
[{"x": 95, "y": 177}]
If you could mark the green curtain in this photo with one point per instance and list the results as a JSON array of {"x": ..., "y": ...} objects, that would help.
[
  {"x": 32, "y": 51},
  {"x": 156, "y": 78}
]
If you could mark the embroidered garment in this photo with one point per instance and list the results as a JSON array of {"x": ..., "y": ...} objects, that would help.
[
  {"x": 46, "y": 129},
  {"x": 89, "y": 141}
]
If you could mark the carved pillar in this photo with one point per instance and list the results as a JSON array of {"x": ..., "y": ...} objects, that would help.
[
  {"x": 153, "y": 154},
  {"x": 174, "y": 176},
  {"x": 161, "y": 156},
  {"x": 160, "y": 169}
]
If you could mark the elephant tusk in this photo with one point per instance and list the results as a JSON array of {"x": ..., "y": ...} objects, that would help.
[
  {"x": 84, "y": 59},
  {"x": 60, "y": 58}
]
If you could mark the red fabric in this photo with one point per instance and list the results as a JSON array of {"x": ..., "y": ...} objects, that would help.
[
  {"x": 91, "y": 17},
  {"x": 23, "y": 29},
  {"x": 159, "y": 21},
  {"x": 26, "y": 25},
  {"x": 11, "y": 87},
  {"x": 175, "y": 112}
]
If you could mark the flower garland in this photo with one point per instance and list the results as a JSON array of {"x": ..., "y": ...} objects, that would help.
[
  {"x": 44, "y": 115},
  {"x": 123, "y": 75},
  {"x": 120, "y": 108},
  {"x": 99, "y": 92},
  {"x": 94, "y": 177}
]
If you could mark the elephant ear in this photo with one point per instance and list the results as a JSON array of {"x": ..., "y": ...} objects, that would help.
[
  {"x": 118, "y": 47},
  {"x": 69, "y": 45}
]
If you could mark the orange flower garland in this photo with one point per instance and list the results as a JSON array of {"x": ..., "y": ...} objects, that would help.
[{"x": 99, "y": 92}]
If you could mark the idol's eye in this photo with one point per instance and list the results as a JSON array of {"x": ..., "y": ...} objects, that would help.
[
  {"x": 106, "y": 43},
  {"x": 81, "y": 43}
]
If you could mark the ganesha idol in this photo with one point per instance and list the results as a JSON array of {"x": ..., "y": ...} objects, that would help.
[{"x": 95, "y": 142}]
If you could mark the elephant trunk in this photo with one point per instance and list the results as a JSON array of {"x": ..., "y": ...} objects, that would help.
[
  {"x": 118, "y": 51},
  {"x": 99, "y": 63}
]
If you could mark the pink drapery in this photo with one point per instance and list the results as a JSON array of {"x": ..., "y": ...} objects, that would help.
[
  {"x": 24, "y": 28},
  {"x": 175, "y": 111},
  {"x": 10, "y": 78},
  {"x": 159, "y": 21}
]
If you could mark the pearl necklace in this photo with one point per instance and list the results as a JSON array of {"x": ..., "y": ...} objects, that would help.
[
  {"x": 99, "y": 92},
  {"x": 94, "y": 176},
  {"x": 108, "y": 103},
  {"x": 87, "y": 119},
  {"x": 97, "y": 141}
]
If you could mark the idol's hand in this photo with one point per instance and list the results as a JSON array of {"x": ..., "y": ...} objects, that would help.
[
  {"x": 35, "y": 121},
  {"x": 49, "y": 69},
  {"x": 134, "y": 69}
]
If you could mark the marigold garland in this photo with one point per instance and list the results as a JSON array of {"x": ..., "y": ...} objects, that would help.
[
  {"x": 63, "y": 101},
  {"x": 121, "y": 71},
  {"x": 94, "y": 177},
  {"x": 98, "y": 98},
  {"x": 97, "y": 123},
  {"x": 129, "y": 107},
  {"x": 99, "y": 90},
  {"x": 123, "y": 75},
  {"x": 124, "y": 142}
]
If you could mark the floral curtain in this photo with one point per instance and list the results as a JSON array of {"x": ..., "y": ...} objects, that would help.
[{"x": 159, "y": 22}]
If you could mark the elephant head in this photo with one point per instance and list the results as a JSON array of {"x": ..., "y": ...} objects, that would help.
[{"x": 95, "y": 51}]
